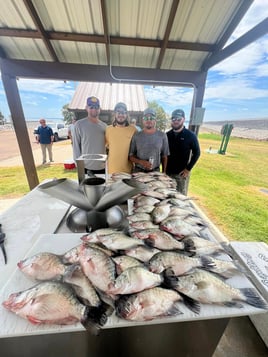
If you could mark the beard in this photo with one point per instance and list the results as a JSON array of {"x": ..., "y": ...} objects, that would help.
[{"x": 177, "y": 127}]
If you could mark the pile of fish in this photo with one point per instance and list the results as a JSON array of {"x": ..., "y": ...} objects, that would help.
[{"x": 162, "y": 260}]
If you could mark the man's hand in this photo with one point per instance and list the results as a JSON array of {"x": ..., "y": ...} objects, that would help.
[{"x": 184, "y": 173}]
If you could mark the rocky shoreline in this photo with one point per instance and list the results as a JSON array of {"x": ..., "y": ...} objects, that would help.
[{"x": 247, "y": 129}]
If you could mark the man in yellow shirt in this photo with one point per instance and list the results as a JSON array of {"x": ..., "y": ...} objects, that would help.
[{"x": 118, "y": 137}]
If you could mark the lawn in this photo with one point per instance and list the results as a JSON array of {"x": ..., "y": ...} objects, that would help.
[{"x": 228, "y": 188}]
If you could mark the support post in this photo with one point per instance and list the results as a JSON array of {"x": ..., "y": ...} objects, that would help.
[{"x": 20, "y": 127}]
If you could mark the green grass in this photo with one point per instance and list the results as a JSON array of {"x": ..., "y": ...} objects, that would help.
[{"x": 226, "y": 187}]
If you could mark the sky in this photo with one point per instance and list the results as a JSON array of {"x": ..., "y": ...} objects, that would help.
[{"x": 236, "y": 88}]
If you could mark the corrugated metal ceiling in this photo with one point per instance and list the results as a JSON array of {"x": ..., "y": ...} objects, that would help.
[
  {"x": 164, "y": 34},
  {"x": 110, "y": 94}
]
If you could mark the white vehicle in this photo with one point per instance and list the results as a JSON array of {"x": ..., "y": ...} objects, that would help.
[{"x": 60, "y": 131}]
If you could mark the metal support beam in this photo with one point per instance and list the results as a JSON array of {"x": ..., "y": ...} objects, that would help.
[
  {"x": 14, "y": 103},
  {"x": 197, "y": 103}
]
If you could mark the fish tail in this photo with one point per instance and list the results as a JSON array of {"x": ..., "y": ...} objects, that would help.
[
  {"x": 95, "y": 317},
  {"x": 253, "y": 298},
  {"x": 192, "y": 304}
]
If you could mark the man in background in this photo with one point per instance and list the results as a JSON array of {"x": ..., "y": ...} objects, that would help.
[
  {"x": 134, "y": 123},
  {"x": 45, "y": 138},
  {"x": 89, "y": 137},
  {"x": 184, "y": 151}
]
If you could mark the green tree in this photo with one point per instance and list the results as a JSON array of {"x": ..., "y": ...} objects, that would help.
[
  {"x": 2, "y": 118},
  {"x": 67, "y": 115},
  {"x": 161, "y": 116}
]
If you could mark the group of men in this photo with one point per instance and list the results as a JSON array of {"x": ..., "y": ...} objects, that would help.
[{"x": 132, "y": 149}]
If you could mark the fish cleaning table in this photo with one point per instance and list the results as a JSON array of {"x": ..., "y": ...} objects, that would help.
[{"x": 29, "y": 226}]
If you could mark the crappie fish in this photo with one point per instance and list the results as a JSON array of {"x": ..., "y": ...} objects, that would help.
[
  {"x": 120, "y": 241},
  {"x": 180, "y": 212},
  {"x": 133, "y": 280},
  {"x": 72, "y": 255},
  {"x": 224, "y": 268},
  {"x": 94, "y": 236},
  {"x": 155, "y": 194},
  {"x": 142, "y": 253},
  {"x": 194, "y": 220},
  {"x": 120, "y": 176},
  {"x": 136, "y": 217},
  {"x": 145, "y": 233},
  {"x": 179, "y": 263},
  {"x": 98, "y": 267},
  {"x": 201, "y": 246},
  {"x": 180, "y": 203},
  {"x": 145, "y": 200},
  {"x": 143, "y": 209},
  {"x": 124, "y": 262},
  {"x": 143, "y": 225},
  {"x": 81, "y": 285},
  {"x": 43, "y": 266},
  {"x": 206, "y": 288},
  {"x": 158, "y": 184},
  {"x": 54, "y": 303},
  {"x": 175, "y": 225},
  {"x": 149, "y": 304},
  {"x": 164, "y": 241},
  {"x": 160, "y": 213}
]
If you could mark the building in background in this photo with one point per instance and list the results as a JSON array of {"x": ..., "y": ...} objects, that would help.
[{"x": 109, "y": 94}]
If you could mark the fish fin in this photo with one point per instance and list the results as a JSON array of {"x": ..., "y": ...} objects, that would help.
[
  {"x": 192, "y": 304},
  {"x": 170, "y": 280},
  {"x": 253, "y": 298},
  {"x": 174, "y": 310},
  {"x": 150, "y": 242},
  {"x": 95, "y": 317},
  {"x": 207, "y": 263},
  {"x": 189, "y": 247}
]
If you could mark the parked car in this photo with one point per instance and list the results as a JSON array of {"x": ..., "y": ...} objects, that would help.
[{"x": 60, "y": 131}]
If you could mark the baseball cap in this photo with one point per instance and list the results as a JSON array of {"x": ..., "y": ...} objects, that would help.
[
  {"x": 93, "y": 102},
  {"x": 178, "y": 113},
  {"x": 120, "y": 105},
  {"x": 149, "y": 111}
]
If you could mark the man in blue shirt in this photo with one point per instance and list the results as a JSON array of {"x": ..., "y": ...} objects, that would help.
[{"x": 45, "y": 138}]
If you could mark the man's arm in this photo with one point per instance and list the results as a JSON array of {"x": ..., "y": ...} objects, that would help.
[{"x": 164, "y": 160}]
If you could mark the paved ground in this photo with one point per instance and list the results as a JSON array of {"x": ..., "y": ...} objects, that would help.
[{"x": 10, "y": 156}]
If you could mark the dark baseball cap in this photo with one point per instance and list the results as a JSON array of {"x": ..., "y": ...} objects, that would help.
[
  {"x": 150, "y": 111},
  {"x": 178, "y": 113},
  {"x": 121, "y": 106},
  {"x": 93, "y": 102}
]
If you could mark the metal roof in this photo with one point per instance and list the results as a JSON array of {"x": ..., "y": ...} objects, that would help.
[
  {"x": 163, "y": 34},
  {"x": 109, "y": 94},
  {"x": 161, "y": 42}
]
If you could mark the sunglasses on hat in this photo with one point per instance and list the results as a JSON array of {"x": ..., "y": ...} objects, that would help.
[{"x": 94, "y": 107}]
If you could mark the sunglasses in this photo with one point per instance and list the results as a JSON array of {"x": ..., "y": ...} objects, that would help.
[
  {"x": 94, "y": 107},
  {"x": 122, "y": 112},
  {"x": 149, "y": 118},
  {"x": 176, "y": 118}
]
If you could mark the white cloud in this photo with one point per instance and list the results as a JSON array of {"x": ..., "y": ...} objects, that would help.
[{"x": 58, "y": 88}]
